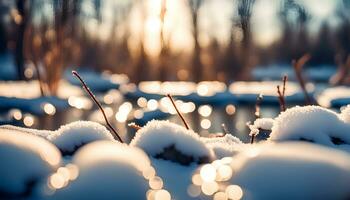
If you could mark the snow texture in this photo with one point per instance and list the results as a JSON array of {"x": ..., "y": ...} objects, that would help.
[
  {"x": 345, "y": 114},
  {"x": 292, "y": 171},
  {"x": 158, "y": 136},
  {"x": 70, "y": 137},
  {"x": 110, "y": 170},
  {"x": 26, "y": 160},
  {"x": 313, "y": 124},
  {"x": 225, "y": 146},
  {"x": 263, "y": 123}
]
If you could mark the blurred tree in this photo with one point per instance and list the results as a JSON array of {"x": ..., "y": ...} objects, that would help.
[
  {"x": 196, "y": 59},
  {"x": 245, "y": 11},
  {"x": 20, "y": 19}
]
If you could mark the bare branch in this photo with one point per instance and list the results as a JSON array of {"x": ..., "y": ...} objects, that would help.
[
  {"x": 97, "y": 103},
  {"x": 178, "y": 112}
]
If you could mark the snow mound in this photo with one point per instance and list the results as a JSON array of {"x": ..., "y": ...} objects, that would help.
[
  {"x": 16, "y": 129},
  {"x": 70, "y": 137},
  {"x": 292, "y": 171},
  {"x": 165, "y": 140},
  {"x": 263, "y": 123},
  {"x": 110, "y": 170},
  {"x": 225, "y": 146},
  {"x": 26, "y": 160},
  {"x": 311, "y": 123},
  {"x": 345, "y": 114}
]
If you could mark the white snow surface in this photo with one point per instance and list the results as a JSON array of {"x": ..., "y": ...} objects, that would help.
[
  {"x": 345, "y": 114},
  {"x": 263, "y": 123},
  {"x": 311, "y": 123},
  {"x": 71, "y": 136},
  {"x": 293, "y": 170},
  {"x": 36, "y": 132},
  {"x": 108, "y": 170},
  {"x": 157, "y": 135},
  {"x": 25, "y": 158},
  {"x": 331, "y": 94},
  {"x": 225, "y": 146}
]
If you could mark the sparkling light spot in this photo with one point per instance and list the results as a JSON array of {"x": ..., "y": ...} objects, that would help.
[
  {"x": 49, "y": 109},
  {"x": 73, "y": 171},
  {"x": 220, "y": 196},
  {"x": 193, "y": 190},
  {"x": 152, "y": 104},
  {"x": 230, "y": 109},
  {"x": 162, "y": 195},
  {"x": 28, "y": 120},
  {"x": 205, "y": 123},
  {"x": 197, "y": 179},
  {"x": 209, "y": 188},
  {"x": 234, "y": 192},
  {"x": 205, "y": 110},
  {"x": 156, "y": 183},
  {"x": 149, "y": 173},
  {"x": 142, "y": 102},
  {"x": 17, "y": 114},
  {"x": 224, "y": 172},
  {"x": 56, "y": 181},
  {"x": 208, "y": 173}
]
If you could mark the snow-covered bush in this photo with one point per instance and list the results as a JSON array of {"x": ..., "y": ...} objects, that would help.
[
  {"x": 111, "y": 170},
  {"x": 168, "y": 141},
  {"x": 26, "y": 161},
  {"x": 313, "y": 124},
  {"x": 293, "y": 170},
  {"x": 70, "y": 137}
]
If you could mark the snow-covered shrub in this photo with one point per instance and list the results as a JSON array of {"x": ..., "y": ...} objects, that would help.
[
  {"x": 313, "y": 124},
  {"x": 26, "y": 161},
  {"x": 70, "y": 137},
  {"x": 110, "y": 170},
  {"x": 293, "y": 170},
  {"x": 168, "y": 141}
]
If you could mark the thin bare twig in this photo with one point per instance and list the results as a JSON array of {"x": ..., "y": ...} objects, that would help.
[
  {"x": 298, "y": 66},
  {"x": 257, "y": 106},
  {"x": 97, "y": 103},
  {"x": 134, "y": 126},
  {"x": 224, "y": 129},
  {"x": 178, "y": 112},
  {"x": 281, "y": 94}
]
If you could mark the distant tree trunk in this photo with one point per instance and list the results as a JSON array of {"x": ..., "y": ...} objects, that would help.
[
  {"x": 19, "y": 53},
  {"x": 196, "y": 60}
]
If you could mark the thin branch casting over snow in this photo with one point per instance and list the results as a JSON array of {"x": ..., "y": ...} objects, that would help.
[
  {"x": 97, "y": 103},
  {"x": 178, "y": 112}
]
